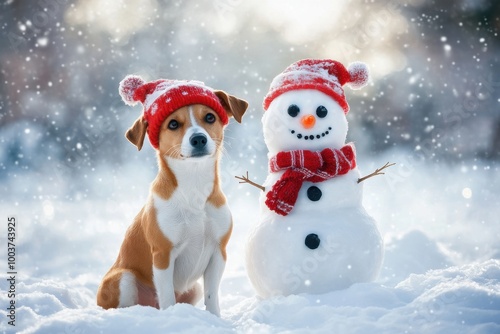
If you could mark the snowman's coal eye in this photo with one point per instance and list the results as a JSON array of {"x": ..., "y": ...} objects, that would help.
[
  {"x": 321, "y": 111},
  {"x": 293, "y": 110}
]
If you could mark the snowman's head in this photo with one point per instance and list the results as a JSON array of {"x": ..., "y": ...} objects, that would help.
[
  {"x": 306, "y": 105},
  {"x": 304, "y": 119}
]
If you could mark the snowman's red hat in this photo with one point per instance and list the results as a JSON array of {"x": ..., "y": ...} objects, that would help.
[
  {"x": 326, "y": 75},
  {"x": 162, "y": 97}
]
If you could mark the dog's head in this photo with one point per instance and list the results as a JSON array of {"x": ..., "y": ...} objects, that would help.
[
  {"x": 190, "y": 131},
  {"x": 183, "y": 119}
]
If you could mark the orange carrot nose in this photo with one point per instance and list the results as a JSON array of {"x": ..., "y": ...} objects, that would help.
[{"x": 308, "y": 121}]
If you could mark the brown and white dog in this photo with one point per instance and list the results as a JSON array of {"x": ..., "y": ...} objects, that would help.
[{"x": 181, "y": 233}]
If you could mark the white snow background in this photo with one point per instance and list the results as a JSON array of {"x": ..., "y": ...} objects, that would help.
[{"x": 441, "y": 272}]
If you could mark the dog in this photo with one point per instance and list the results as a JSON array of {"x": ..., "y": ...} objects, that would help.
[{"x": 181, "y": 233}]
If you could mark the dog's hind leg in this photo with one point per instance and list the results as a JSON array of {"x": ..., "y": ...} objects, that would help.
[
  {"x": 108, "y": 294},
  {"x": 129, "y": 294},
  {"x": 118, "y": 289}
]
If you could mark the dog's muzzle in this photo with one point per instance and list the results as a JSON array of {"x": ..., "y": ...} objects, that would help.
[{"x": 198, "y": 143}]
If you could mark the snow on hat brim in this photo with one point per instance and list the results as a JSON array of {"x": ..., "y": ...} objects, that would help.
[
  {"x": 307, "y": 81},
  {"x": 286, "y": 82},
  {"x": 325, "y": 75}
]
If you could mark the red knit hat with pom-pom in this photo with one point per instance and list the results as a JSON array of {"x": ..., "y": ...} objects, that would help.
[
  {"x": 326, "y": 75},
  {"x": 162, "y": 97}
]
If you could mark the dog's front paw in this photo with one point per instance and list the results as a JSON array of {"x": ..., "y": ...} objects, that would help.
[{"x": 214, "y": 309}]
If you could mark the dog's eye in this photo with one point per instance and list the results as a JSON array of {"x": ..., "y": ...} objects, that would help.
[
  {"x": 321, "y": 111},
  {"x": 210, "y": 118},
  {"x": 173, "y": 124},
  {"x": 293, "y": 110}
]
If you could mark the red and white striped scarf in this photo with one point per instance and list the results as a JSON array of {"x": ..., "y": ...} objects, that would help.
[{"x": 304, "y": 165}]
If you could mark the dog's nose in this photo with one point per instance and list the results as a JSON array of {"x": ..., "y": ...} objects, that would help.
[{"x": 198, "y": 140}]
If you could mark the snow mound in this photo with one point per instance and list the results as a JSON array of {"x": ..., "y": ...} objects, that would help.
[
  {"x": 461, "y": 299},
  {"x": 179, "y": 318},
  {"x": 413, "y": 253}
]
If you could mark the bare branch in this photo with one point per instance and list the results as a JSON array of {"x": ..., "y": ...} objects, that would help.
[
  {"x": 376, "y": 172},
  {"x": 245, "y": 179}
]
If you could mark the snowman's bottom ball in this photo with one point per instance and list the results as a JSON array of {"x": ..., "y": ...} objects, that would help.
[{"x": 304, "y": 254}]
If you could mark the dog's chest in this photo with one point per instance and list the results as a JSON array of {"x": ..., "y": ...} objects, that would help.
[
  {"x": 186, "y": 218},
  {"x": 193, "y": 225},
  {"x": 179, "y": 222},
  {"x": 183, "y": 217}
]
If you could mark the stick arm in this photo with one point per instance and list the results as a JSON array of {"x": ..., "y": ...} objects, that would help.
[
  {"x": 245, "y": 179},
  {"x": 376, "y": 172}
]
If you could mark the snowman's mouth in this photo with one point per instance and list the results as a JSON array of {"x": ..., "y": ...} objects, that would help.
[{"x": 311, "y": 137}]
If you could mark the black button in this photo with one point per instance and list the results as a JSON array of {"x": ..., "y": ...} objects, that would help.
[
  {"x": 314, "y": 193},
  {"x": 312, "y": 241}
]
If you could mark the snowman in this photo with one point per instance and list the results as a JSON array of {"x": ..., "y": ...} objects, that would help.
[{"x": 313, "y": 234}]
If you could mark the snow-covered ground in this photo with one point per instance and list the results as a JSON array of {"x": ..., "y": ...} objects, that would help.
[{"x": 441, "y": 272}]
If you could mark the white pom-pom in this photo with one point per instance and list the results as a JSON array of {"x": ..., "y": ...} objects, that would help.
[
  {"x": 127, "y": 88},
  {"x": 359, "y": 75}
]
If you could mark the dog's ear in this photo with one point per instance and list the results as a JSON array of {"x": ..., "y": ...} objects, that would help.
[
  {"x": 234, "y": 106},
  {"x": 137, "y": 132}
]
